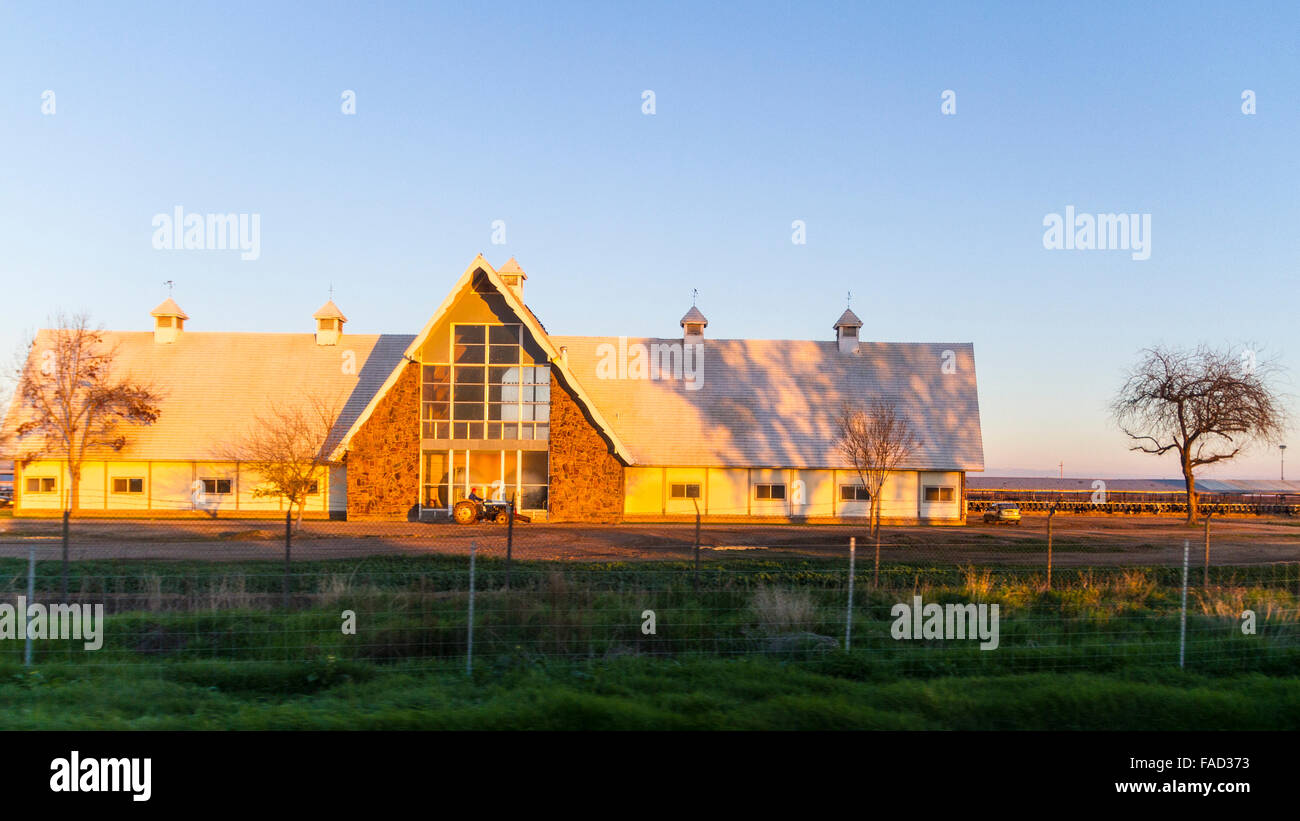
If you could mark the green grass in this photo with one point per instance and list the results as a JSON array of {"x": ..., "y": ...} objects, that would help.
[
  {"x": 638, "y": 694},
  {"x": 204, "y": 645}
]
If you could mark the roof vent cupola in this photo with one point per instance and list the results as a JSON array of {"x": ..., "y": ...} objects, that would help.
[
  {"x": 513, "y": 276},
  {"x": 329, "y": 324},
  {"x": 693, "y": 325},
  {"x": 168, "y": 322},
  {"x": 847, "y": 328}
]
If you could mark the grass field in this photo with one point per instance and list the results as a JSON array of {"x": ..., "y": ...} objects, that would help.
[
  {"x": 841, "y": 692},
  {"x": 755, "y": 643}
]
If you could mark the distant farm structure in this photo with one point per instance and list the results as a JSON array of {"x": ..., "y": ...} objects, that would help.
[{"x": 1258, "y": 497}]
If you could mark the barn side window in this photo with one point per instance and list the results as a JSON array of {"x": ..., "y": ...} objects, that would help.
[
  {"x": 939, "y": 493},
  {"x": 769, "y": 492},
  {"x": 687, "y": 490},
  {"x": 218, "y": 487},
  {"x": 41, "y": 484},
  {"x": 128, "y": 485},
  {"x": 854, "y": 493}
]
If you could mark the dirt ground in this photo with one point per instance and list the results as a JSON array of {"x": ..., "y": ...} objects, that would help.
[{"x": 1078, "y": 541}]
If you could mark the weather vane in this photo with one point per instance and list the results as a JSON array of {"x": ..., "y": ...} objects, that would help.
[
  {"x": 695, "y": 292},
  {"x": 169, "y": 283},
  {"x": 848, "y": 301},
  {"x": 331, "y": 291}
]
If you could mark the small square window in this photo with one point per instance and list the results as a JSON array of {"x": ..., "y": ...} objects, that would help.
[
  {"x": 854, "y": 493},
  {"x": 686, "y": 490},
  {"x": 41, "y": 484},
  {"x": 769, "y": 492},
  {"x": 936, "y": 493},
  {"x": 128, "y": 485}
]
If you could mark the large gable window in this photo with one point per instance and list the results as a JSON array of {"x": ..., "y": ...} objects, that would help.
[{"x": 490, "y": 390}]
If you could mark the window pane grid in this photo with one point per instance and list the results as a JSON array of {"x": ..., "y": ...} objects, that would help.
[{"x": 489, "y": 390}]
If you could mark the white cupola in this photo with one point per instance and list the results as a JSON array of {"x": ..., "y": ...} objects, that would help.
[
  {"x": 847, "y": 328},
  {"x": 168, "y": 322},
  {"x": 693, "y": 325},
  {"x": 329, "y": 324},
  {"x": 513, "y": 276}
]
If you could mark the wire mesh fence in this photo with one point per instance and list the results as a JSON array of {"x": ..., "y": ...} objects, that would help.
[{"x": 396, "y": 595}]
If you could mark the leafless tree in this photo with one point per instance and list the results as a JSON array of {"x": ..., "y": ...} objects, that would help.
[
  {"x": 876, "y": 439},
  {"x": 288, "y": 446},
  {"x": 70, "y": 400},
  {"x": 1206, "y": 405},
  {"x": 6, "y": 400}
]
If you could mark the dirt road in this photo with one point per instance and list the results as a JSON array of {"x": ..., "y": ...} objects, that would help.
[{"x": 1078, "y": 540}]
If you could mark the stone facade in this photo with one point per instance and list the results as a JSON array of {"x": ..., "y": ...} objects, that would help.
[
  {"x": 383, "y": 459},
  {"x": 586, "y": 478}
]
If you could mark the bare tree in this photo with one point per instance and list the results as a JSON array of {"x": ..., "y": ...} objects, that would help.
[
  {"x": 1206, "y": 405},
  {"x": 289, "y": 448},
  {"x": 6, "y": 400},
  {"x": 876, "y": 439},
  {"x": 70, "y": 400}
]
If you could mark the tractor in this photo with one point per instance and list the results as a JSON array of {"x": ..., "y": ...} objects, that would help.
[{"x": 469, "y": 511}]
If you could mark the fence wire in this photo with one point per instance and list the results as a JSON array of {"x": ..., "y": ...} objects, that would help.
[{"x": 396, "y": 595}]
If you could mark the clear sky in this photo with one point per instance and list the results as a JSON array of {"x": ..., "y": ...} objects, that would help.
[{"x": 532, "y": 114}]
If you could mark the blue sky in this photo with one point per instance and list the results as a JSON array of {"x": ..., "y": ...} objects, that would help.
[{"x": 764, "y": 114}]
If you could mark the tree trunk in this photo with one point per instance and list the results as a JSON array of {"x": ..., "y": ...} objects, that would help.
[
  {"x": 1190, "y": 480},
  {"x": 74, "y": 487}
]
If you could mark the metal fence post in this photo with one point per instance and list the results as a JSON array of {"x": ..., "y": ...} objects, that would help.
[
  {"x": 63, "y": 587},
  {"x": 875, "y": 574},
  {"x": 848, "y": 622},
  {"x": 469, "y": 640},
  {"x": 31, "y": 596},
  {"x": 510, "y": 540},
  {"x": 1050, "y": 513},
  {"x": 1182, "y": 629},
  {"x": 697, "y": 545},
  {"x": 288, "y": 541},
  {"x": 1205, "y": 581}
]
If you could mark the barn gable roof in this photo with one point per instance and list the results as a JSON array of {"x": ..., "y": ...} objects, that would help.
[
  {"x": 530, "y": 322},
  {"x": 213, "y": 384},
  {"x": 766, "y": 402}
]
